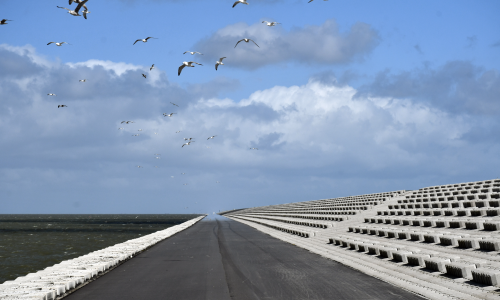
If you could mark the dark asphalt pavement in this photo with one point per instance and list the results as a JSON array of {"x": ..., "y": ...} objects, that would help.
[{"x": 219, "y": 260}]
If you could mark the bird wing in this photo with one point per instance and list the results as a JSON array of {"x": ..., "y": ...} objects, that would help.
[
  {"x": 310, "y": 1},
  {"x": 70, "y": 1},
  {"x": 80, "y": 5},
  {"x": 220, "y": 59},
  {"x": 137, "y": 41},
  {"x": 193, "y": 62},
  {"x": 185, "y": 52},
  {"x": 238, "y": 42},
  {"x": 152, "y": 67},
  {"x": 85, "y": 14},
  {"x": 149, "y": 37},
  {"x": 64, "y": 8},
  {"x": 50, "y": 43},
  {"x": 199, "y": 53},
  {"x": 180, "y": 70},
  {"x": 235, "y": 3},
  {"x": 254, "y": 43}
]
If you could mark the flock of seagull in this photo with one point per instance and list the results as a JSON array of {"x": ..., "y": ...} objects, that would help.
[{"x": 82, "y": 4}]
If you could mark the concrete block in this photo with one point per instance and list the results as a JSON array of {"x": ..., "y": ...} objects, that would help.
[
  {"x": 432, "y": 237},
  {"x": 474, "y": 224},
  {"x": 492, "y": 212},
  {"x": 449, "y": 240},
  {"x": 461, "y": 270},
  {"x": 401, "y": 256},
  {"x": 429, "y": 223},
  {"x": 486, "y": 276},
  {"x": 467, "y": 243},
  {"x": 417, "y": 236},
  {"x": 386, "y": 252},
  {"x": 374, "y": 250},
  {"x": 436, "y": 264},
  {"x": 417, "y": 259},
  {"x": 404, "y": 235},
  {"x": 489, "y": 245},
  {"x": 442, "y": 223},
  {"x": 491, "y": 226},
  {"x": 457, "y": 224}
]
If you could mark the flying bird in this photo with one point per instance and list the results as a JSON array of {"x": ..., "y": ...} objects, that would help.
[
  {"x": 126, "y": 122},
  {"x": 254, "y": 148},
  {"x": 271, "y": 24},
  {"x": 144, "y": 40},
  {"x": 77, "y": 9},
  {"x": 136, "y": 134},
  {"x": 61, "y": 105},
  {"x": 187, "y": 144},
  {"x": 177, "y": 131},
  {"x": 246, "y": 41},
  {"x": 82, "y": 80},
  {"x": 144, "y": 75},
  {"x": 58, "y": 44},
  {"x": 240, "y": 1},
  {"x": 51, "y": 94},
  {"x": 152, "y": 67},
  {"x": 219, "y": 62},
  {"x": 174, "y": 104},
  {"x": 188, "y": 139},
  {"x": 313, "y": 0},
  {"x": 120, "y": 128},
  {"x": 192, "y": 52},
  {"x": 211, "y": 137},
  {"x": 3, "y": 22},
  {"x": 139, "y": 130},
  {"x": 187, "y": 64},
  {"x": 168, "y": 115},
  {"x": 139, "y": 166}
]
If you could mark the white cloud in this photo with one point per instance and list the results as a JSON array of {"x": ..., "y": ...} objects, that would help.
[{"x": 313, "y": 139}]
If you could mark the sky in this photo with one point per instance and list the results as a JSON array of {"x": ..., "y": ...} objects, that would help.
[{"x": 341, "y": 98}]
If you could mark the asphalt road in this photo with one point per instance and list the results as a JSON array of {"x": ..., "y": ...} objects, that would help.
[{"x": 220, "y": 260}]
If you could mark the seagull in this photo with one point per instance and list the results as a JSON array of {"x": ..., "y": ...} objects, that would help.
[
  {"x": 127, "y": 122},
  {"x": 77, "y": 9},
  {"x": 144, "y": 75},
  {"x": 211, "y": 137},
  {"x": 174, "y": 104},
  {"x": 61, "y": 105},
  {"x": 188, "y": 139},
  {"x": 219, "y": 62},
  {"x": 183, "y": 173},
  {"x": 187, "y": 144},
  {"x": 152, "y": 67},
  {"x": 271, "y": 24},
  {"x": 246, "y": 41},
  {"x": 58, "y": 44},
  {"x": 254, "y": 148},
  {"x": 177, "y": 131},
  {"x": 240, "y": 1},
  {"x": 120, "y": 128},
  {"x": 187, "y": 64},
  {"x": 3, "y": 22},
  {"x": 139, "y": 166},
  {"x": 136, "y": 134},
  {"x": 166, "y": 115},
  {"x": 51, "y": 94},
  {"x": 312, "y": 1},
  {"x": 82, "y": 80},
  {"x": 192, "y": 52},
  {"x": 139, "y": 130},
  {"x": 144, "y": 40}
]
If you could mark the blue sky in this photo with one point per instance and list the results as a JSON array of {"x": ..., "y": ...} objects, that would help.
[{"x": 342, "y": 98}]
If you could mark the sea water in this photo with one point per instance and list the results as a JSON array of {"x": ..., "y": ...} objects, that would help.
[{"x": 29, "y": 243}]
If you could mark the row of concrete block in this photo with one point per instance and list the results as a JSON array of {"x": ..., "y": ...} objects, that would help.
[
  {"x": 486, "y": 196},
  {"x": 465, "y": 212},
  {"x": 481, "y": 224},
  {"x": 477, "y": 270},
  {"x": 300, "y": 223},
  {"x": 485, "y": 190},
  {"x": 53, "y": 282},
  {"x": 323, "y": 208},
  {"x": 309, "y": 217},
  {"x": 461, "y": 185},
  {"x": 449, "y": 204},
  {"x": 444, "y": 238},
  {"x": 301, "y": 233}
]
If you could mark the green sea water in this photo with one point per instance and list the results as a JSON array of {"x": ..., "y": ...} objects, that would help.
[{"x": 29, "y": 243}]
